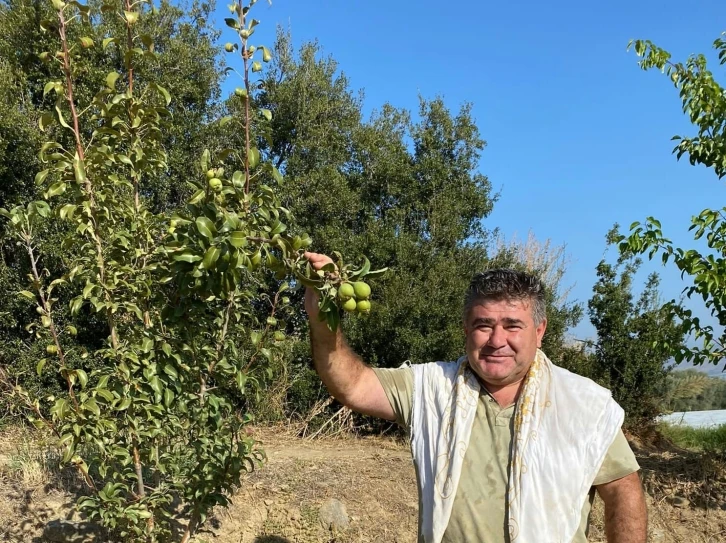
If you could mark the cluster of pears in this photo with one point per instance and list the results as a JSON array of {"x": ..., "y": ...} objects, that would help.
[
  {"x": 355, "y": 297},
  {"x": 213, "y": 178}
]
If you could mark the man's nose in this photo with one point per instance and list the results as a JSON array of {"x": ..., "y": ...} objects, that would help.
[{"x": 498, "y": 337}]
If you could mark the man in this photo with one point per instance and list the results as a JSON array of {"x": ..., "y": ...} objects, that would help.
[{"x": 506, "y": 446}]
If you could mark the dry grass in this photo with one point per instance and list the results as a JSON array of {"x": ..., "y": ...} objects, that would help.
[
  {"x": 372, "y": 476},
  {"x": 33, "y": 487}
]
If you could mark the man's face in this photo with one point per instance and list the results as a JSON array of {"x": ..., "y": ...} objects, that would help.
[{"x": 502, "y": 340}]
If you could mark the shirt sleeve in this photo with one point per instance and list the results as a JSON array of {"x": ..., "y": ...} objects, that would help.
[
  {"x": 398, "y": 385},
  {"x": 619, "y": 461}
]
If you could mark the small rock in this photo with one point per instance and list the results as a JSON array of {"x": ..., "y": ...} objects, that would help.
[
  {"x": 333, "y": 515},
  {"x": 268, "y": 503},
  {"x": 66, "y": 531},
  {"x": 678, "y": 501}
]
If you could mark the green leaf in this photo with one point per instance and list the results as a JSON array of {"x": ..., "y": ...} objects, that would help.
[
  {"x": 376, "y": 273},
  {"x": 29, "y": 295},
  {"x": 111, "y": 79},
  {"x": 107, "y": 41},
  {"x": 42, "y": 208},
  {"x": 197, "y": 197},
  {"x": 266, "y": 55},
  {"x": 231, "y": 22},
  {"x": 211, "y": 257},
  {"x": 67, "y": 211},
  {"x": 205, "y": 161},
  {"x": 91, "y": 405},
  {"x": 279, "y": 228},
  {"x": 187, "y": 256},
  {"x": 164, "y": 93},
  {"x": 276, "y": 175},
  {"x": 105, "y": 394},
  {"x": 82, "y": 378},
  {"x": 171, "y": 371},
  {"x": 41, "y": 365},
  {"x": 125, "y": 403},
  {"x": 256, "y": 66},
  {"x": 155, "y": 384},
  {"x": 238, "y": 239},
  {"x": 40, "y": 176},
  {"x": 254, "y": 157},
  {"x": 131, "y": 16},
  {"x": 45, "y": 120},
  {"x": 76, "y": 304},
  {"x": 86, "y": 42},
  {"x": 168, "y": 397},
  {"x": 87, "y": 289},
  {"x": 50, "y": 86},
  {"x": 147, "y": 344},
  {"x": 206, "y": 227},
  {"x": 267, "y": 114},
  {"x": 224, "y": 120},
  {"x": 61, "y": 119},
  {"x": 56, "y": 189},
  {"x": 79, "y": 170}
]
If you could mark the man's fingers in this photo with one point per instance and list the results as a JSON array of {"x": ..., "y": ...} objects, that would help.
[{"x": 317, "y": 260}]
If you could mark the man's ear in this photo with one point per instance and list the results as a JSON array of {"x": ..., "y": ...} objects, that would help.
[{"x": 541, "y": 327}]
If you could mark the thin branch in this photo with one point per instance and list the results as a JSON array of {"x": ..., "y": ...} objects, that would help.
[{"x": 81, "y": 156}]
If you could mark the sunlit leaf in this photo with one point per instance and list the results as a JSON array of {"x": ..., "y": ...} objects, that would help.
[{"x": 206, "y": 227}]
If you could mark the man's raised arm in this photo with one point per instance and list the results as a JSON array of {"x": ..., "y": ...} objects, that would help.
[{"x": 343, "y": 373}]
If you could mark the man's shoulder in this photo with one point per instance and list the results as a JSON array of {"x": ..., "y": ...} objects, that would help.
[
  {"x": 443, "y": 369},
  {"x": 583, "y": 391},
  {"x": 576, "y": 379}
]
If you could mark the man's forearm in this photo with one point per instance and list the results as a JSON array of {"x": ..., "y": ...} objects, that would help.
[
  {"x": 626, "y": 517},
  {"x": 337, "y": 365}
]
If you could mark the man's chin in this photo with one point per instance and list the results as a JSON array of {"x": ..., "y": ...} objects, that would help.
[{"x": 493, "y": 372}]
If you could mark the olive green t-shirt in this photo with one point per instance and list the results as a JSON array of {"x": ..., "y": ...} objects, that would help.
[{"x": 479, "y": 512}]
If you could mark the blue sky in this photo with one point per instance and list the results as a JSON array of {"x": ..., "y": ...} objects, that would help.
[{"x": 578, "y": 136}]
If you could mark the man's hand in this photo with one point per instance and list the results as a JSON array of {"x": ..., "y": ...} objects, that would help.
[
  {"x": 317, "y": 261},
  {"x": 626, "y": 518}
]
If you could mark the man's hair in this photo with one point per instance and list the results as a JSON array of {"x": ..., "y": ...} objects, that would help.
[{"x": 505, "y": 284}]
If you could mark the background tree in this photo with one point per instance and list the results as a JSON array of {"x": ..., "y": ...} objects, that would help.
[
  {"x": 634, "y": 340},
  {"x": 693, "y": 390}
]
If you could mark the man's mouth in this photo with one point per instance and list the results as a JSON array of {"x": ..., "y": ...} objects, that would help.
[{"x": 495, "y": 356}]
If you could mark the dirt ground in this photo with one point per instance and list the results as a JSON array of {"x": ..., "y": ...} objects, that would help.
[{"x": 373, "y": 477}]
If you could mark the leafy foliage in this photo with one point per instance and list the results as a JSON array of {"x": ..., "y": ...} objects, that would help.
[
  {"x": 704, "y": 101},
  {"x": 189, "y": 320},
  {"x": 184, "y": 62}
]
